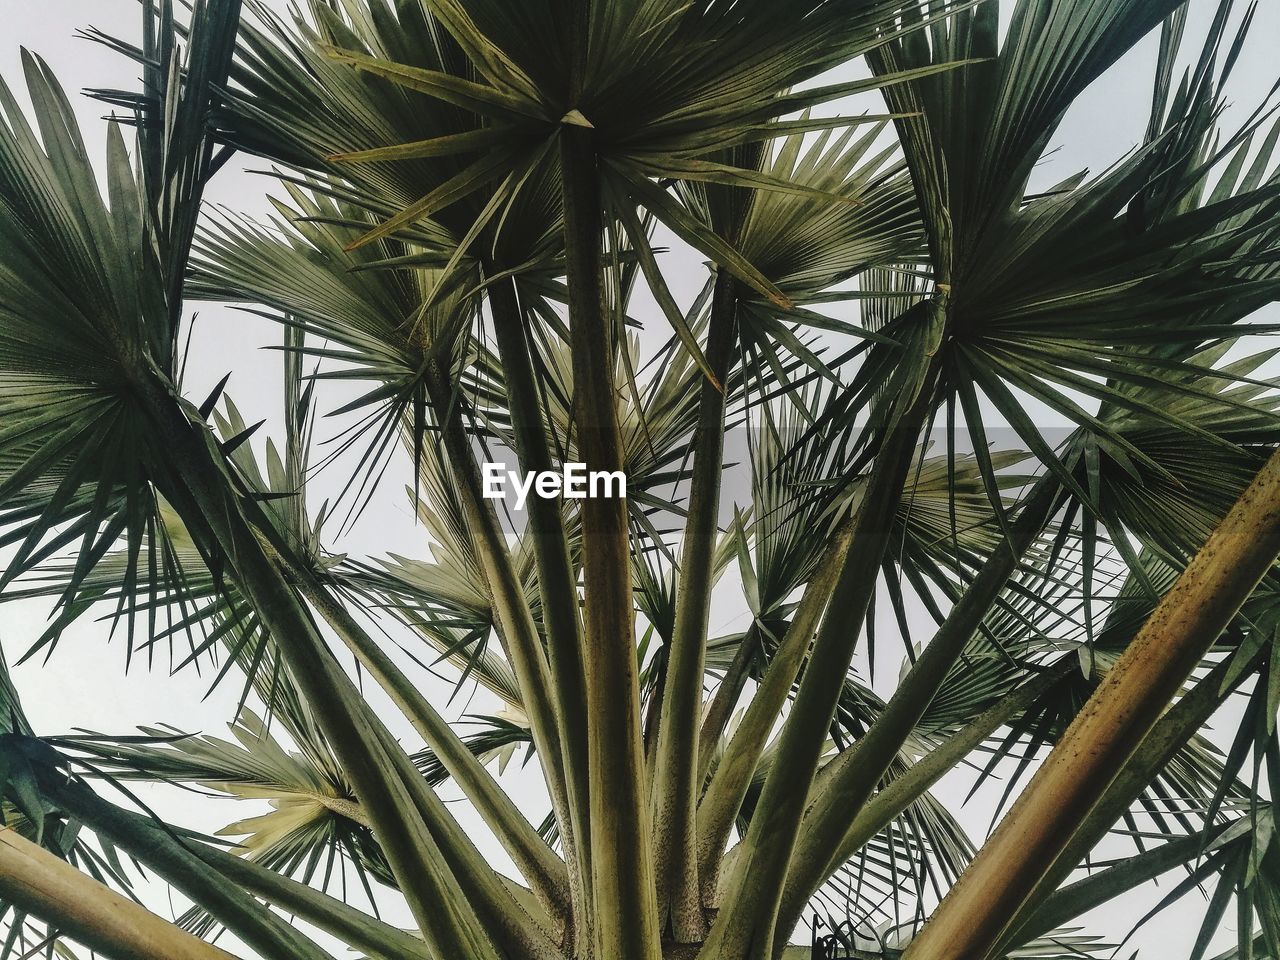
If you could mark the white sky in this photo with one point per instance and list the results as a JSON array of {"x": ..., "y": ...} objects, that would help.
[{"x": 84, "y": 684}]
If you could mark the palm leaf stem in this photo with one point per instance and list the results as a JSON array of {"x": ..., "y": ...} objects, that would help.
[
  {"x": 718, "y": 713},
  {"x": 197, "y": 485},
  {"x": 1104, "y": 736},
  {"x": 846, "y": 784},
  {"x": 745, "y": 927},
  {"x": 267, "y": 934},
  {"x": 33, "y": 879},
  {"x": 557, "y": 580},
  {"x": 900, "y": 792},
  {"x": 676, "y": 783},
  {"x": 542, "y": 869},
  {"x": 516, "y": 628},
  {"x": 1174, "y": 730},
  {"x": 327, "y": 913},
  {"x": 626, "y": 917},
  {"x": 352, "y": 926},
  {"x": 732, "y": 777},
  {"x": 1104, "y": 886}
]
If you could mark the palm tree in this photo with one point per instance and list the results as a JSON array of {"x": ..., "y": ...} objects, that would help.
[{"x": 471, "y": 196}]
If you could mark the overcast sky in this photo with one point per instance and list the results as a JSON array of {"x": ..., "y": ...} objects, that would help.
[{"x": 84, "y": 684}]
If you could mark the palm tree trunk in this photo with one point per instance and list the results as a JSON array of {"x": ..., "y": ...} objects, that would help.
[
  {"x": 1102, "y": 739},
  {"x": 34, "y": 880},
  {"x": 626, "y": 915}
]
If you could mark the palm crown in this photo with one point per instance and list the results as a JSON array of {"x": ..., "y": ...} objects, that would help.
[{"x": 471, "y": 195}]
